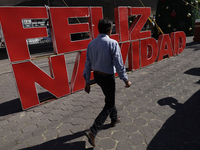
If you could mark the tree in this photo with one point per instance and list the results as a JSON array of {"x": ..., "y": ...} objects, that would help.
[{"x": 176, "y": 15}]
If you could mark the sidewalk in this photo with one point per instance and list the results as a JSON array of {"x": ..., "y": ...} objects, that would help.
[{"x": 160, "y": 111}]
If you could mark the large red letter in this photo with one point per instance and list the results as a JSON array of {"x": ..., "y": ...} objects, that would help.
[
  {"x": 14, "y": 33},
  {"x": 78, "y": 81},
  {"x": 149, "y": 51},
  {"x": 134, "y": 56},
  {"x": 124, "y": 50},
  {"x": 135, "y": 29},
  {"x": 27, "y": 74},
  {"x": 121, "y": 23},
  {"x": 96, "y": 14},
  {"x": 62, "y": 29},
  {"x": 165, "y": 46},
  {"x": 178, "y": 41}
]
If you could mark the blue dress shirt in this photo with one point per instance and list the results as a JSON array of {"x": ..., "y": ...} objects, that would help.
[{"x": 104, "y": 55}]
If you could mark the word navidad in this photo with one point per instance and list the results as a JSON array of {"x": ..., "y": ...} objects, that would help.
[{"x": 137, "y": 46}]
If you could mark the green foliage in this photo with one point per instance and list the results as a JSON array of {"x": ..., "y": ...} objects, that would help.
[{"x": 176, "y": 15}]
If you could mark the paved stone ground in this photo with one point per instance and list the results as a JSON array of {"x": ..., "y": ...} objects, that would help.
[{"x": 160, "y": 111}]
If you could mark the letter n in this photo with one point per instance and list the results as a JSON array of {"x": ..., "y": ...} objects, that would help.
[
  {"x": 78, "y": 81},
  {"x": 27, "y": 74}
]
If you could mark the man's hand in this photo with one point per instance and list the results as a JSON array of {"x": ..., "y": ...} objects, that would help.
[
  {"x": 87, "y": 88},
  {"x": 128, "y": 84}
]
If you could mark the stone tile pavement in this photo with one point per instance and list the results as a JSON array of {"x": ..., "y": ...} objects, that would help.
[{"x": 160, "y": 111}]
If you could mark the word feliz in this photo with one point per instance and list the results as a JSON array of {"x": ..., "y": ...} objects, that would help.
[{"x": 137, "y": 46}]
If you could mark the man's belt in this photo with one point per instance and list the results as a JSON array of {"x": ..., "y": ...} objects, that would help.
[{"x": 102, "y": 73}]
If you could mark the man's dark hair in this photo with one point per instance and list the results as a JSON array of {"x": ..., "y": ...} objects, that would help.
[{"x": 105, "y": 25}]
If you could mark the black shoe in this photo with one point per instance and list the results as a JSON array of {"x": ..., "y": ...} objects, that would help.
[
  {"x": 113, "y": 124},
  {"x": 90, "y": 137}
]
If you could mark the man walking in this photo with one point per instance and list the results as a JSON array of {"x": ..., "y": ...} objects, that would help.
[{"x": 104, "y": 58}]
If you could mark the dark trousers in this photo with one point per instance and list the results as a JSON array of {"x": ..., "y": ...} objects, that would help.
[{"x": 107, "y": 84}]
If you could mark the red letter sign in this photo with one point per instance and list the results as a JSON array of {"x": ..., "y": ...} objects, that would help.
[
  {"x": 62, "y": 28},
  {"x": 178, "y": 41},
  {"x": 96, "y": 14},
  {"x": 165, "y": 46},
  {"x": 141, "y": 49},
  {"x": 143, "y": 14},
  {"x": 134, "y": 56},
  {"x": 14, "y": 33},
  {"x": 78, "y": 81},
  {"x": 149, "y": 51},
  {"x": 121, "y": 23},
  {"x": 27, "y": 74}
]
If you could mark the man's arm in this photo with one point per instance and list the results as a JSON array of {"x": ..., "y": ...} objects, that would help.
[
  {"x": 86, "y": 73},
  {"x": 119, "y": 65}
]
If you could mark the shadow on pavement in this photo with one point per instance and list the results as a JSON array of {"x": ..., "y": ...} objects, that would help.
[
  {"x": 182, "y": 130},
  {"x": 10, "y": 107},
  {"x": 3, "y": 54},
  {"x": 193, "y": 71},
  {"x": 62, "y": 143},
  {"x": 193, "y": 45},
  {"x": 65, "y": 142},
  {"x": 14, "y": 106}
]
